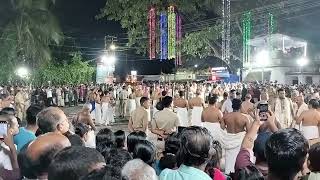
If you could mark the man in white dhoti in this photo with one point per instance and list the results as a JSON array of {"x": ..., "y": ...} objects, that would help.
[
  {"x": 301, "y": 106},
  {"x": 247, "y": 106},
  {"x": 212, "y": 118},
  {"x": 181, "y": 105},
  {"x": 138, "y": 94},
  {"x": 283, "y": 109},
  {"x": 308, "y": 122},
  {"x": 196, "y": 104},
  {"x": 236, "y": 125},
  {"x": 59, "y": 97}
]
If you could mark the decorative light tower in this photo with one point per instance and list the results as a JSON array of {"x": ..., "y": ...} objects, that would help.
[{"x": 226, "y": 26}]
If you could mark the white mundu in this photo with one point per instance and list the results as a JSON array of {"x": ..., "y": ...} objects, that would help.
[
  {"x": 310, "y": 132},
  {"x": 232, "y": 144},
  {"x": 214, "y": 129},
  {"x": 183, "y": 116},
  {"x": 196, "y": 116}
]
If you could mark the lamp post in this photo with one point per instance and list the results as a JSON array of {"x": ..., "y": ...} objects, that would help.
[
  {"x": 303, "y": 61},
  {"x": 22, "y": 72}
]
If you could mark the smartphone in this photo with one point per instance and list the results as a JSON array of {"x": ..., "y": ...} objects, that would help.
[
  {"x": 264, "y": 108},
  {"x": 3, "y": 129}
]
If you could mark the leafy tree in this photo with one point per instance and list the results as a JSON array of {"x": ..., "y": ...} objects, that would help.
[
  {"x": 29, "y": 33},
  {"x": 76, "y": 72},
  {"x": 133, "y": 16},
  {"x": 202, "y": 20}
]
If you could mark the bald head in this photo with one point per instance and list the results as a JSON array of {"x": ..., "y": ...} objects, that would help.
[
  {"x": 41, "y": 151},
  {"x": 52, "y": 119}
]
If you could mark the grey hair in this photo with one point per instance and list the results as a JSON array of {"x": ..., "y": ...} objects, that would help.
[
  {"x": 87, "y": 106},
  {"x": 136, "y": 169}
]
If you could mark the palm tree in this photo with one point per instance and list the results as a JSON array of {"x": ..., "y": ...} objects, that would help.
[{"x": 29, "y": 33}]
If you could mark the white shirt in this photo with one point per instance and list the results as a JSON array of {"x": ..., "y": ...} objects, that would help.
[
  {"x": 123, "y": 94},
  {"x": 227, "y": 106},
  {"x": 49, "y": 93},
  {"x": 5, "y": 161}
]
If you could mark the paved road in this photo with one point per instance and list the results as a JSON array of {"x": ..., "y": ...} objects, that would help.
[{"x": 120, "y": 125}]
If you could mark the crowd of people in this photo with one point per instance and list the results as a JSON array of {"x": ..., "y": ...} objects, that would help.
[{"x": 175, "y": 131}]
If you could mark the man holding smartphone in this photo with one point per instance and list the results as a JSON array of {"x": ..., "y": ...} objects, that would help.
[{"x": 8, "y": 154}]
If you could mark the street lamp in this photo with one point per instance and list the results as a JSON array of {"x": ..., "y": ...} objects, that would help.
[
  {"x": 134, "y": 73},
  {"x": 22, "y": 72},
  {"x": 113, "y": 47},
  {"x": 263, "y": 60},
  {"x": 303, "y": 61},
  {"x": 196, "y": 65},
  {"x": 109, "y": 60}
]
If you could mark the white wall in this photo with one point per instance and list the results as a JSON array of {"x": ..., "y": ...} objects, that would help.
[{"x": 278, "y": 74}]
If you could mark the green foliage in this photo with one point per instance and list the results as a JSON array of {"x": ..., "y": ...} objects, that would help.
[
  {"x": 133, "y": 16},
  {"x": 28, "y": 34},
  {"x": 202, "y": 38},
  {"x": 76, "y": 72},
  {"x": 201, "y": 43}
]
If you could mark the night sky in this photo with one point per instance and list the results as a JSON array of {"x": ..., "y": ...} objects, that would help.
[{"x": 82, "y": 29}]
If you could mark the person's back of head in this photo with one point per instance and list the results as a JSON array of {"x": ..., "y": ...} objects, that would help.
[
  {"x": 313, "y": 103},
  {"x": 248, "y": 173},
  {"x": 42, "y": 150},
  {"x": 75, "y": 140},
  {"x": 106, "y": 173},
  {"x": 87, "y": 107},
  {"x": 216, "y": 157},
  {"x": 133, "y": 138},
  {"x": 172, "y": 144},
  {"x": 225, "y": 95},
  {"x": 117, "y": 157},
  {"x": 164, "y": 93},
  {"x": 167, "y": 101},
  {"x": 181, "y": 94},
  {"x": 120, "y": 138},
  {"x": 8, "y": 111},
  {"x": 104, "y": 139},
  {"x": 138, "y": 170},
  {"x": 145, "y": 151},
  {"x": 286, "y": 152},
  {"x": 214, "y": 162},
  {"x": 168, "y": 161},
  {"x": 81, "y": 129},
  {"x": 74, "y": 162},
  {"x": 195, "y": 147},
  {"x": 213, "y": 99},
  {"x": 314, "y": 158},
  {"x": 31, "y": 115},
  {"x": 52, "y": 119},
  {"x": 236, "y": 104}
]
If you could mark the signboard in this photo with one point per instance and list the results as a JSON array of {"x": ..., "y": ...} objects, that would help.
[
  {"x": 219, "y": 72},
  {"x": 102, "y": 73}
]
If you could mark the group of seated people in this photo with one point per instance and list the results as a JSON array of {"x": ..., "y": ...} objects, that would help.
[{"x": 48, "y": 148}]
